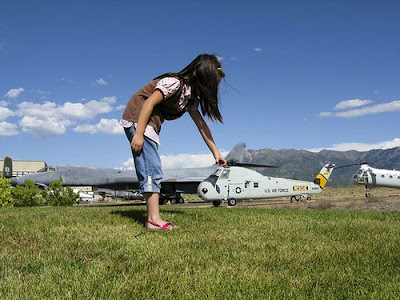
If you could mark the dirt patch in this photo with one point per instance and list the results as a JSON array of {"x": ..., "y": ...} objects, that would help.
[{"x": 386, "y": 203}]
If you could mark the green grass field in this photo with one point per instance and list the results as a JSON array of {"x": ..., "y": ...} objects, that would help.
[{"x": 217, "y": 253}]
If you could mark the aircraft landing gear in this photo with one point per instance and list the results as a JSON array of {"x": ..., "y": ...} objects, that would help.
[
  {"x": 232, "y": 202},
  {"x": 298, "y": 198},
  {"x": 367, "y": 194},
  {"x": 178, "y": 200},
  {"x": 174, "y": 198},
  {"x": 217, "y": 203},
  {"x": 294, "y": 198}
]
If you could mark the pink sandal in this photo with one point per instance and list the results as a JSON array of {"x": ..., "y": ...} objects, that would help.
[{"x": 167, "y": 225}]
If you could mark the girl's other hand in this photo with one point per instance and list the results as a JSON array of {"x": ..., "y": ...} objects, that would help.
[{"x": 137, "y": 143}]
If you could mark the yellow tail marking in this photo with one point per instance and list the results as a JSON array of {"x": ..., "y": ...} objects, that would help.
[{"x": 320, "y": 180}]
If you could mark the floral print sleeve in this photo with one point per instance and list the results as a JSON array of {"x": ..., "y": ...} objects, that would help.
[{"x": 168, "y": 86}]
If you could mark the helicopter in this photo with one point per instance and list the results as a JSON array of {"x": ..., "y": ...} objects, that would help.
[
  {"x": 373, "y": 177},
  {"x": 238, "y": 182}
]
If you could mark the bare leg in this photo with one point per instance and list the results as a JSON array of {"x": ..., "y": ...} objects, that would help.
[{"x": 153, "y": 211}]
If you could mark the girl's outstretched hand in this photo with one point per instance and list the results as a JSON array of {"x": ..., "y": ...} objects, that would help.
[
  {"x": 220, "y": 160},
  {"x": 137, "y": 143}
]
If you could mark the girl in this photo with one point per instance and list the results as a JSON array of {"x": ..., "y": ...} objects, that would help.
[{"x": 168, "y": 97}]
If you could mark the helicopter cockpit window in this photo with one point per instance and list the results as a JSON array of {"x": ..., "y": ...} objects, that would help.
[
  {"x": 225, "y": 173},
  {"x": 217, "y": 172}
]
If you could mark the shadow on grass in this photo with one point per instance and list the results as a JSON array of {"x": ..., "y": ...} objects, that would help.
[{"x": 140, "y": 216}]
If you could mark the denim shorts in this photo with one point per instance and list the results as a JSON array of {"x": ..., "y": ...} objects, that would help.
[{"x": 147, "y": 164}]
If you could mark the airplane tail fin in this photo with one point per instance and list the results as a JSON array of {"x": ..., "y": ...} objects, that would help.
[
  {"x": 237, "y": 153},
  {"x": 322, "y": 178},
  {"x": 7, "y": 167}
]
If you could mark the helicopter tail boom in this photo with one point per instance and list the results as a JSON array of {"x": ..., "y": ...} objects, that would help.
[{"x": 322, "y": 178}]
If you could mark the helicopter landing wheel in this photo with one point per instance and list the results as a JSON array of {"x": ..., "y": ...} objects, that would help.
[
  {"x": 231, "y": 202},
  {"x": 294, "y": 198},
  {"x": 367, "y": 194},
  {"x": 217, "y": 203}
]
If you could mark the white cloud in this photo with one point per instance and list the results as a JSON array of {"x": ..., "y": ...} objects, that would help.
[
  {"x": 257, "y": 49},
  {"x": 8, "y": 129},
  {"x": 14, "y": 93},
  {"x": 88, "y": 110},
  {"x": 3, "y": 103},
  {"x": 351, "y": 104},
  {"x": 350, "y": 110},
  {"x": 50, "y": 119},
  {"x": 325, "y": 114},
  {"x": 101, "y": 81},
  {"x": 91, "y": 129},
  {"x": 109, "y": 100},
  {"x": 129, "y": 164},
  {"x": 43, "y": 127},
  {"x": 361, "y": 146},
  {"x": 186, "y": 161},
  {"x": 376, "y": 109},
  {"x": 35, "y": 109},
  {"x": 105, "y": 126},
  {"x": 5, "y": 113},
  {"x": 120, "y": 107}
]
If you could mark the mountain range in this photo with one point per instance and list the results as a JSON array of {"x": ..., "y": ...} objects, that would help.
[{"x": 305, "y": 165}]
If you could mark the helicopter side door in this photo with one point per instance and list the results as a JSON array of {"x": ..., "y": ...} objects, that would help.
[{"x": 222, "y": 185}]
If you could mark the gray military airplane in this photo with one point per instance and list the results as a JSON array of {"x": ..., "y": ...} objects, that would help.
[{"x": 175, "y": 181}]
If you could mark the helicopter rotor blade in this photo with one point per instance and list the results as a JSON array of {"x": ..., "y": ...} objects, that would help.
[
  {"x": 249, "y": 165},
  {"x": 355, "y": 164}
]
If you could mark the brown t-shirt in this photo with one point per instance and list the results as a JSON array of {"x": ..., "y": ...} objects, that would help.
[{"x": 168, "y": 109}]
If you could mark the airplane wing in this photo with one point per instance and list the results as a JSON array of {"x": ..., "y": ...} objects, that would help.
[{"x": 185, "y": 184}]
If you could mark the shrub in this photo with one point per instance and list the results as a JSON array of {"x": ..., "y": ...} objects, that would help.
[
  {"x": 58, "y": 195},
  {"x": 27, "y": 195},
  {"x": 6, "y": 198}
]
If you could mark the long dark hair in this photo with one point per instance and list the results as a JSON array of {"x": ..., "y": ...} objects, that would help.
[{"x": 203, "y": 74}]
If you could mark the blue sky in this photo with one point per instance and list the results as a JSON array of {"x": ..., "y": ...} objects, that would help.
[{"x": 300, "y": 74}]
